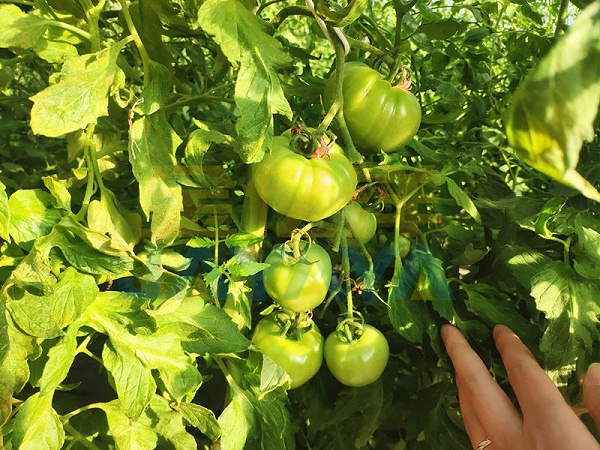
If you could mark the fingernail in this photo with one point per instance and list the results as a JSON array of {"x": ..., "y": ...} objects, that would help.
[{"x": 592, "y": 376}]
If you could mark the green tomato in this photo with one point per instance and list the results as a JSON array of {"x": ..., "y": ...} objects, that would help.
[
  {"x": 404, "y": 245},
  {"x": 301, "y": 359},
  {"x": 361, "y": 224},
  {"x": 379, "y": 116},
  {"x": 305, "y": 188},
  {"x": 298, "y": 285},
  {"x": 359, "y": 362}
]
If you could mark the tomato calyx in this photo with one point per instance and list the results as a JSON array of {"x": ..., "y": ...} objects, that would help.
[
  {"x": 311, "y": 144},
  {"x": 293, "y": 325},
  {"x": 351, "y": 328}
]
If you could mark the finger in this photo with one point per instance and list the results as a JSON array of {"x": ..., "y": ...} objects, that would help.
[
  {"x": 524, "y": 372},
  {"x": 494, "y": 410},
  {"x": 473, "y": 426},
  {"x": 591, "y": 391}
]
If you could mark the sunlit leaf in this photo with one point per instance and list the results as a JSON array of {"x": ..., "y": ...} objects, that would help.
[
  {"x": 258, "y": 91},
  {"x": 554, "y": 108},
  {"x": 37, "y": 425},
  {"x": 80, "y": 97},
  {"x": 569, "y": 303}
]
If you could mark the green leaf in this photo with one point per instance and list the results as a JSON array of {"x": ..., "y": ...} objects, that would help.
[
  {"x": 236, "y": 422},
  {"x": 4, "y": 214},
  {"x": 19, "y": 29},
  {"x": 80, "y": 97},
  {"x": 587, "y": 248},
  {"x": 46, "y": 315},
  {"x": 32, "y": 214},
  {"x": 463, "y": 200},
  {"x": 254, "y": 418},
  {"x": 37, "y": 426},
  {"x": 202, "y": 418},
  {"x": 128, "y": 434},
  {"x": 60, "y": 359},
  {"x": 549, "y": 211},
  {"x": 493, "y": 307},
  {"x": 240, "y": 268},
  {"x": 443, "y": 29},
  {"x": 170, "y": 425},
  {"x": 133, "y": 381},
  {"x": 554, "y": 108},
  {"x": 258, "y": 92},
  {"x": 198, "y": 144},
  {"x": 152, "y": 157},
  {"x": 59, "y": 191},
  {"x": 89, "y": 251},
  {"x": 157, "y": 86},
  {"x": 208, "y": 328},
  {"x": 571, "y": 308},
  {"x": 242, "y": 240},
  {"x": 134, "y": 351},
  {"x": 109, "y": 216},
  {"x": 15, "y": 348}
]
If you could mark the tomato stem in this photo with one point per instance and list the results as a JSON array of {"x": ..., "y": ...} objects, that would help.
[{"x": 346, "y": 271}]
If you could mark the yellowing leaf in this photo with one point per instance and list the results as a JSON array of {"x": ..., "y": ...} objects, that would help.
[
  {"x": 18, "y": 29},
  {"x": 79, "y": 97}
]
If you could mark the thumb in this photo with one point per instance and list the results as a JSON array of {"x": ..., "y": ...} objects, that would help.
[{"x": 591, "y": 384}]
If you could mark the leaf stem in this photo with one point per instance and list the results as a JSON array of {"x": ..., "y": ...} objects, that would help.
[
  {"x": 80, "y": 438},
  {"x": 562, "y": 16},
  {"x": 90, "y": 187},
  {"x": 137, "y": 39},
  {"x": 67, "y": 26}
]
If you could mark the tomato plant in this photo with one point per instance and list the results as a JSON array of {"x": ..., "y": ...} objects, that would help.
[
  {"x": 305, "y": 186},
  {"x": 299, "y": 353},
  {"x": 359, "y": 359},
  {"x": 135, "y": 136},
  {"x": 379, "y": 116},
  {"x": 298, "y": 283}
]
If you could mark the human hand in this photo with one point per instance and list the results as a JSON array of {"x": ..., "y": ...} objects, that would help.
[{"x": 545, "y": 422}]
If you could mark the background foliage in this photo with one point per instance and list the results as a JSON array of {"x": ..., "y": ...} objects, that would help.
[{"x": 125, "y": 136}]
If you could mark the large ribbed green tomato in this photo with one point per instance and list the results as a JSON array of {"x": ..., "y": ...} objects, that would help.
[
  {"x": 304, "y": 187},
  {"x": 379, "y": 116},
  {"x": 301, "y": 359},
  {"x": 359, "y": 362},
  {"x": 298, "y": 285}
]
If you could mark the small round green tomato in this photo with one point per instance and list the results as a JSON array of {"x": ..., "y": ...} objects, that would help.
[
  {"x": 404, "y": 245},
  {"x": 298, "y": 286},
  {"x": 301, "y": 187},
  {"x": 359, "y": 362},
  {"x": 301, "y": 359},
  {"x": 362, "y": 224},
  {"x": 379, "y": 116}
]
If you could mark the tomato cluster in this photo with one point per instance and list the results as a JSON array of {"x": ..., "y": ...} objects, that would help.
[{"x": 307, "y": 177}]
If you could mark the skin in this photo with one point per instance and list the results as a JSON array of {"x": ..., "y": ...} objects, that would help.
[{"x": 545, "y": 422}]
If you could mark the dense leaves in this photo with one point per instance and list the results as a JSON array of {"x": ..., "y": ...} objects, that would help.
[{"x": 133, "y": 239}]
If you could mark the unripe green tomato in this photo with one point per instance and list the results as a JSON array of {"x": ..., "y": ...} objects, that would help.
[
  {"x": 379, "y": 116},
  {"x": 298, "y": 286},
  {"x": 404, "y": 245},
  {"x": 304, "y": 187},
  {"x": 359, "y": 362},
  {"x": 361, "y": 224},
  {"x": 301, "y": 359}
]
